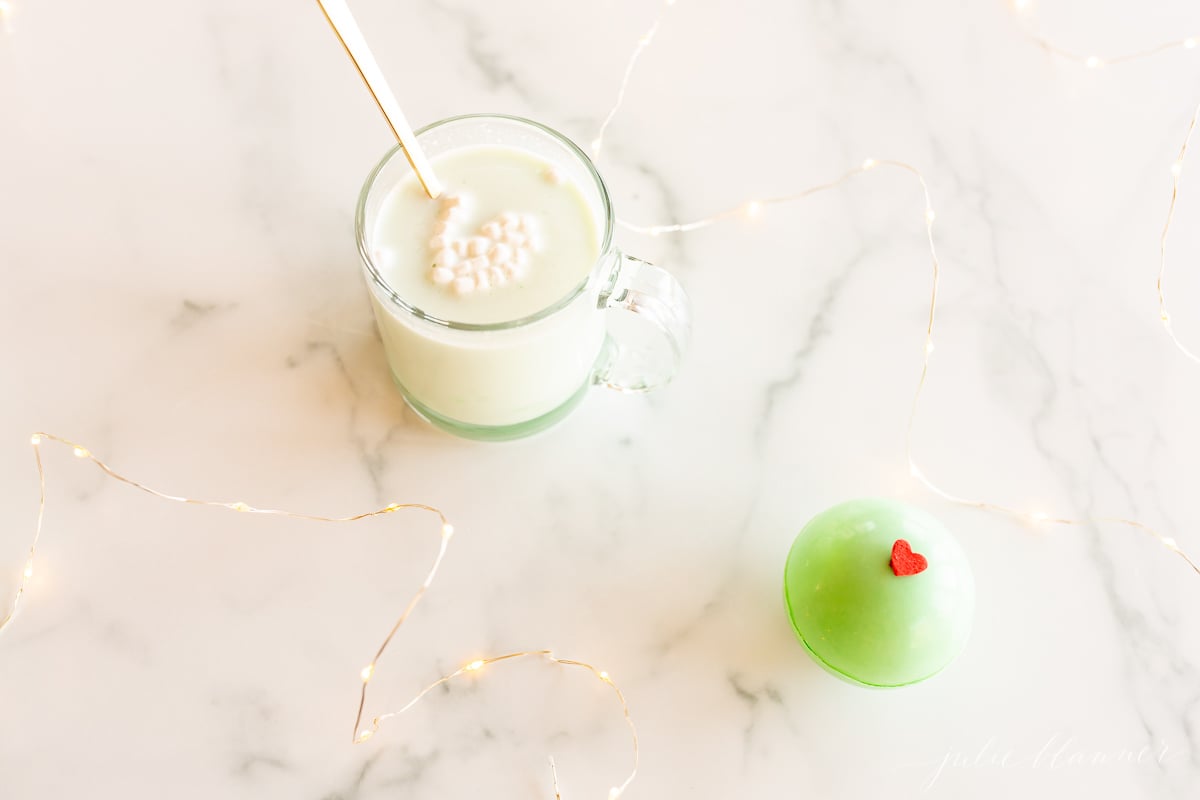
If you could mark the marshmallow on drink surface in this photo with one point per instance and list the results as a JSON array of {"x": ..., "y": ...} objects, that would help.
[{"x": 500, "y": 251}]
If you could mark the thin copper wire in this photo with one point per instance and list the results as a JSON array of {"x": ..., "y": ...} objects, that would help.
[
  {"x": 1176, "y": 177},
  {"x": 654, "y": 230},
  {"x": 1093, "y": 62},
  {"x": 447, "y": 531},
  {"x": 753, "y": 207},
  {"x": 1025, "y": 17},
  {"x": 642, "y": 43},
  {"x": 548, "y": 655}
]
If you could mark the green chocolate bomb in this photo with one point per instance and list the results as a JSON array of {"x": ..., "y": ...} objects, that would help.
[{"x": 860, "y": 619}]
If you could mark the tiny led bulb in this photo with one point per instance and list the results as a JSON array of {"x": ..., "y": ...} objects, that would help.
[
  {"x": 1092, "y": 62},
  {"x": 930, "y": 216},
  {"x": 870, "y": 163},
  {"x": 1039, "y": 516},
  {"x": 614, "y": 793},
  {"x": 29, "y": 568},
  {"x": 81, "y": 452},
  {"x": 753, "y": 208},
  {"x": 35, "y": 439},
  {"x": 365, "y": 734},
  {"x": 1170, "y": 542},
  {"x": 392, "y": 507},
  {"x": 1177, "y": 168},
  {"x": 1189, "y": 42},
  {"x": 367, "y": 672},
  {"x": 604, "y": 676},
  {"x": 1166, "y": 318},
  {"x": 474, "y": 665},
  {"x": 595, "y": 145},
  {"x": 239, "y": 506},
  {"x": 928, "y": 346},
  {"x": 447, "y": 530}
]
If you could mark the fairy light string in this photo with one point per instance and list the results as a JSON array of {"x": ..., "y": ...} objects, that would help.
[
  {"x": 754, "y": 208},
  {"x": 544, "y": 655},
  {"x": 643, "y": 42},
  {"x": 1176, "y": 178},
  {"x": 361, "y": 733},
  {"x": 1027, "y": 20}
]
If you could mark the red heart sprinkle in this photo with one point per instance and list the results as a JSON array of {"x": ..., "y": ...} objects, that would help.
[{"x": 905, "y": 561}]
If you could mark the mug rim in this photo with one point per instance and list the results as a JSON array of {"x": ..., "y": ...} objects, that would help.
[{"x": 364, "y": 250}]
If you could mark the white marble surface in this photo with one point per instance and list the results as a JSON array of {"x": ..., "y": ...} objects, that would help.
[{"x": 181, "y": 293}]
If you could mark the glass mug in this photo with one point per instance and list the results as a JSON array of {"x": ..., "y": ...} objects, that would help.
[{"x": 624, "y": 326}]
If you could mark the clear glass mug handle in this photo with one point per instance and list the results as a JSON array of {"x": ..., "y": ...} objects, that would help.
[{"x": 649, "y": 321}]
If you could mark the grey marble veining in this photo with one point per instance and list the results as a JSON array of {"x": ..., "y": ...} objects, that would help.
[{"x": 183, "y": 296}]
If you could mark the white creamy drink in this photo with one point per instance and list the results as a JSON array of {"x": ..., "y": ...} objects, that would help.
[{"x": 509, "y": 237}]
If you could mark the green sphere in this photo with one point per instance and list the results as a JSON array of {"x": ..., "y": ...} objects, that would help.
[{"x": 861, "y": 620}]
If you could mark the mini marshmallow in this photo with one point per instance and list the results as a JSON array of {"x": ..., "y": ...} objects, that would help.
[
  {"x": 383, "y": 257},
  {"x": 500, "y": 253},
  {"x": 554, "y": 176}
]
